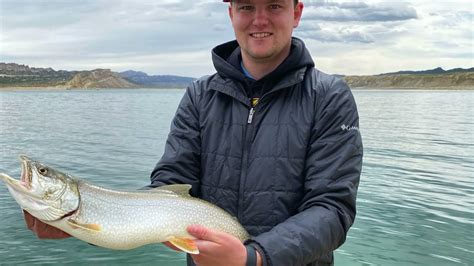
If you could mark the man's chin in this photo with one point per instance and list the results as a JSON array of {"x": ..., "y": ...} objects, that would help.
[{"x": 261, "y": 54}]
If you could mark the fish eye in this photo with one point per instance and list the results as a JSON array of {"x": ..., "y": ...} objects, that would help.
[{"x": 43, "y": 171}]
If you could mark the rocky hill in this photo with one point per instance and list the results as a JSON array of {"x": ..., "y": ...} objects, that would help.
[
  {"x": 98, "y": 78},
  {"x": 437, "y": 70},
  {"x": 454, "y": 80},
  {"x": 15, "y": 75}
]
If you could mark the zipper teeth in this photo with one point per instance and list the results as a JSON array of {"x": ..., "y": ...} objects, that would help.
[
  {"x": 244, "y": 164},
  {"x": 243, "y": 170}
]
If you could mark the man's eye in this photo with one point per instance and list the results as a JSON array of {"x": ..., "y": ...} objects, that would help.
[
  {"x": 246, "y": 8},
  {"x": 275, "y": 6}
]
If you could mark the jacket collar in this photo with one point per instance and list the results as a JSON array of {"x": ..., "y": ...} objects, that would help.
[
  {"x": 235, "y": 89},
  {"x": 231, "y": 81}
]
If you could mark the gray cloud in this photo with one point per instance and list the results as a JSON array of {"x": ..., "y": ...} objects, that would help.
[
  {"x": 39, "y": 14},
  {"x": 113, "y": 27},
  {"x": 354, "y": 22},
  {"x": 359, "y": 11},
  {"x": 346, "y": 35},
  {"x": 175, "y": 36}
]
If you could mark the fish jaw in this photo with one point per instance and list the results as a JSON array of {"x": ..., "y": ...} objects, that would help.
[
  {"x": 22, "y": 195},
  {"x": 16, "y": 185},
  {"x": 24, "y": 184}
]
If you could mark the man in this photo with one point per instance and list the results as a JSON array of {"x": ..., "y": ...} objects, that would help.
[{"x": 270, "y": 139}]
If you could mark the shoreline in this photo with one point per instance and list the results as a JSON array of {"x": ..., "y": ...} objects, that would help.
[
  {"x": 17, "y": 88},
  {"x": 454, "y": 88}
]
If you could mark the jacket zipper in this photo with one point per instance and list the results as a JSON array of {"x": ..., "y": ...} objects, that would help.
[
  {"x": 245, "y": 155},
  {"x": 251, "y": 112}
]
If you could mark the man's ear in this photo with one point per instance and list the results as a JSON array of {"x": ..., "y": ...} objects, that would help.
[
  {"x": 297, "y": 14},
  {"x": 230, "y": 12}
]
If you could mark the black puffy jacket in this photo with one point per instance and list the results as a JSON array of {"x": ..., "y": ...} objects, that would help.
[{"x": 288, "y": 168}]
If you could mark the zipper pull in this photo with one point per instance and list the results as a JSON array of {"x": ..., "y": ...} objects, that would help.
[{"x": 251, "y": 112}]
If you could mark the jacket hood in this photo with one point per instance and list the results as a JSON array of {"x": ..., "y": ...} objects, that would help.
[{"x": 227, "y": 57}]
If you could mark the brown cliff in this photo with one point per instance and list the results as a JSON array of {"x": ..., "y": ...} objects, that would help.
[{"x": 98, "y": 78}]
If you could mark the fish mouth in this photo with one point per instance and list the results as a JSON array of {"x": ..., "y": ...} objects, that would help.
[
  {"x": 24, "y": 184},
  {"x": 26, "y": 176},
  {"x": 26, "y": 173}
]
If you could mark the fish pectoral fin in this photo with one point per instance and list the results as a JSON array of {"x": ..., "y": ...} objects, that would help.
[
  {"x": 185, "y": 244},
  {"x": 89, "y": 227}
]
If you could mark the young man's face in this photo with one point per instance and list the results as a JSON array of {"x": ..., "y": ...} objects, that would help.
[{"x": 263, "y": 28}]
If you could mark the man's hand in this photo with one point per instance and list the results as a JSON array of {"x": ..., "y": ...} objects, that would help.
[
  {"x": 217, "y": 248},
  {"x": 42, "y": 230}
]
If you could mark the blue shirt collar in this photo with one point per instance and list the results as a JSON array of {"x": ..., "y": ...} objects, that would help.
[{"x": 246, "y": 73}]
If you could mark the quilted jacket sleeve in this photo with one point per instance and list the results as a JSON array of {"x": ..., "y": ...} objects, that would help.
[
  {"x": 180, "y": 163},
  {"x": 332, "y": 172}
]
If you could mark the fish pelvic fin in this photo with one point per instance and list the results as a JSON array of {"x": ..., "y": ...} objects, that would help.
[
  {"x": 185, "y": 244},
  {"x": 89, "y": 227}
]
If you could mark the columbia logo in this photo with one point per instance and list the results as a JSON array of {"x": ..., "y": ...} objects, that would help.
[{"x": 349, "y": 128}]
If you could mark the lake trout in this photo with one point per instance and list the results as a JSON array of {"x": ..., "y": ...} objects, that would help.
[{"x": 116, "y": 219}]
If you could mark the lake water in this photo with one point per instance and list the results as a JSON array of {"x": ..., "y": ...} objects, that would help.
[{"x": 415, "y": 202}]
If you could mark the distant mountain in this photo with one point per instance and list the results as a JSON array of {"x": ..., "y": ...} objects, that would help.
[
  {"x": 437, "y": 70},
  {"x": 16, "y": 75},
  {"x": 161, "y": 81},
  {"x": 459, "y": 80}
]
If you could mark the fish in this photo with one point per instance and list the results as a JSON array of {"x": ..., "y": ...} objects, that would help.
[{"x": 116, "y": 219}]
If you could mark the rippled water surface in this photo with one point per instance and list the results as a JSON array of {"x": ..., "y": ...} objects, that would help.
[{"x": 415, "y": 203}]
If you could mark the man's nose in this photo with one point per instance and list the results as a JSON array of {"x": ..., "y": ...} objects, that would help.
[{"x": 261, "y": 17}]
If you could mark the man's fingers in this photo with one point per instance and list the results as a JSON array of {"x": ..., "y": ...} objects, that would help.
[
  {"x": 29, "y": 219},
  {"x": 42, "y": 230},
  {"x": 205, "y": 246},
  {"x": 203, "y": 233}
]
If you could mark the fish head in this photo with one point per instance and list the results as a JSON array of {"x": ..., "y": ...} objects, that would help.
[{"x": 44, "y": 192}]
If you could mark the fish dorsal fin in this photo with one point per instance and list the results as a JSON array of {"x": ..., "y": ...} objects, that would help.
[{"x": 180, "y": 189}]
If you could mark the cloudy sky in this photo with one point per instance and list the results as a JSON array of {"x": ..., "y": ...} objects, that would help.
[{"x": 176, "y": 36}]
